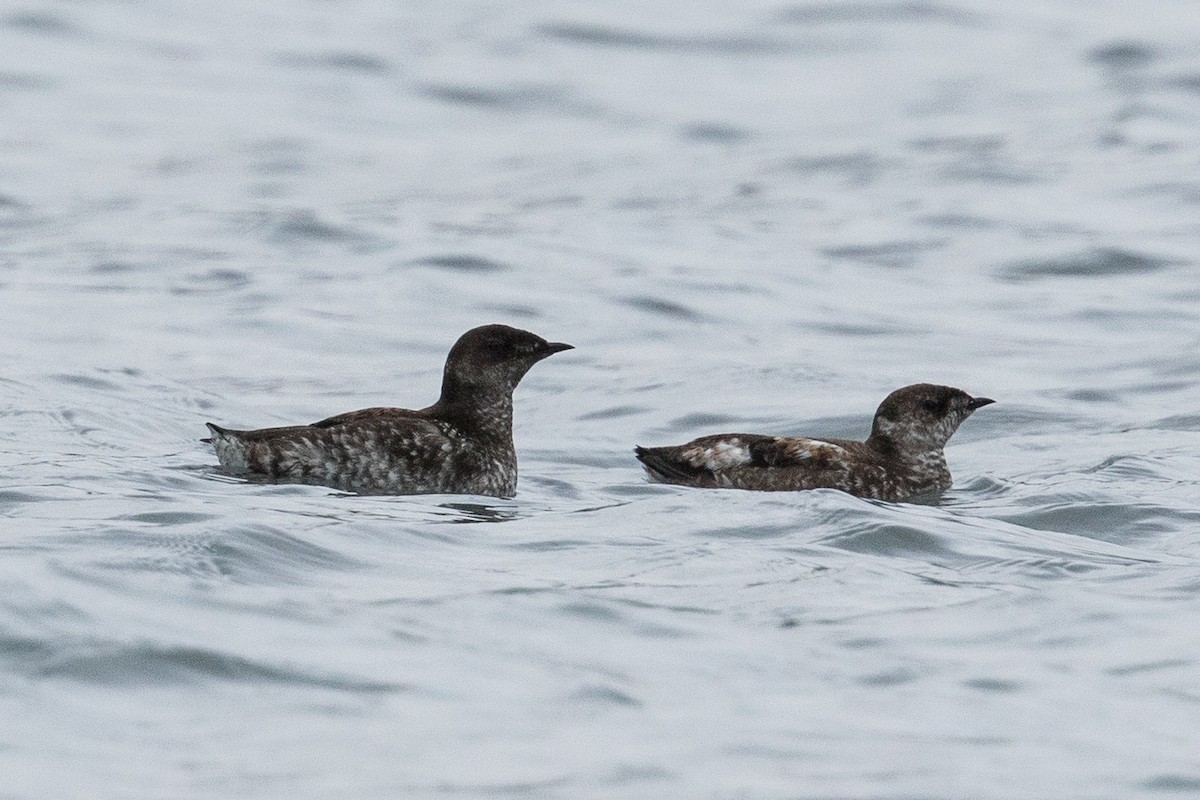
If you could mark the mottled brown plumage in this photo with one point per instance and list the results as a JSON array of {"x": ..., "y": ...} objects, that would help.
[
  {"x": 902, "y": 458},
  {"x": 462, "y": 444}
]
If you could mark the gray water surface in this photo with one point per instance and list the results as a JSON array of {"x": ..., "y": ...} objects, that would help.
[{"x": 758, "y": 216}]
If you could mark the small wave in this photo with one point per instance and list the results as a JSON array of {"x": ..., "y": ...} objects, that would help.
[
  {"x": 43, "y": 22},
  {"x": 342, "y": 61},
  {"x": 889, "y": 539},
  {"x": 714, "y": 132},
  {"x": 1118, "y": 521},
  {"x": 1100, "y": 262},
  {"x": 169, "y": 517},
  {"x": 152, "y": 663},
  {"x": 248, "y": 554},
  {"x": 701, "y": 420},
  {"x": 974, "y": 547},
  {"x": 1178, "y": 422},
  {"x": 993, "y": 685},
  {"x": 613, "y": 412},
  {"x": 468, "y": 512},
  {"x": 213, "y": 281},
  {"x": 875, "y": 13},
  {"x": 259, "y": 551},
  {"x": 1174, "y": 784},
  {"x": 453, "y": 262},
  {"x": 856, "y": 168},
  {"x": 307, "y": 226},
  {"x": 885, "y": 254},
  {"x": 658, "y": 306},
  {"x": 1123, "y": 55},
  {"x": 597, "y": 35},
  {"x": 512, "y": 98},
  {"x": 24, "y": 81},
  {"x": 90, "y": 382},
  {"x": 605, "y": 695}
]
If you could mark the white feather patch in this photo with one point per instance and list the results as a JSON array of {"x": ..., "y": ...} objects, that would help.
[
  {"x": 722, "y": 455},
  {"x": 803, "y": 449}
]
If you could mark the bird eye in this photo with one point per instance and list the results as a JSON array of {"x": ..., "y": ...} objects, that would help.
[{"x": 932, "y": 406}]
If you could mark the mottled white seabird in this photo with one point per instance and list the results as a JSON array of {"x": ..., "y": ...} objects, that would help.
[
  {"x": 462, "y": 444},
  {"x": 901, "y": 459}
]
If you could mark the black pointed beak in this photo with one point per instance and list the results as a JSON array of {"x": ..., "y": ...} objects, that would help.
[
  {"x": 979, "y": 402},
  {"x": 551, "y": 348}
]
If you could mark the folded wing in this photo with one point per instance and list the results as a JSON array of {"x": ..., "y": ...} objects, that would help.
[{"x": 732, "y": 459}]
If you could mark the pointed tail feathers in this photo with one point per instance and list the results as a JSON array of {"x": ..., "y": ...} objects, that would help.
[
  {"x": 664, "y": 465},
  {"x": 230, "y": 447},
  {"x": 217, "y": 433}
]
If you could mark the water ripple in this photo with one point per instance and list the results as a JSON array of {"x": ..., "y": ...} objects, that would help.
[
  {"x": 598, "y": 35},
  {"x": 865, "y": 14},
  {"x": 342, "y": 61},
  {"x": 145, "y": 663},
  {"x": 40, "y": 22},
  {"x": 1100, "y": 262},
  {"x": 461, "y": 263}
]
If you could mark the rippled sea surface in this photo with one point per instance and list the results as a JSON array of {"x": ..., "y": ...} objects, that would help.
[{"x": 759, "y": 216}]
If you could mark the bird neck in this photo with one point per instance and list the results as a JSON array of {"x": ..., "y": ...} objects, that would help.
[
  {"x": 892, "y": 448},
  {"x": 477, "y": 409}
]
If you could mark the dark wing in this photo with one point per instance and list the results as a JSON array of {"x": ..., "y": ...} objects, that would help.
[
  {"x": 362, "y": 415},
  {"x": 367, "y": 415},
  {"x": 799, "y": 451},
  {"x": 695, "y": 461},
  {"x": 752, "y": 461}
]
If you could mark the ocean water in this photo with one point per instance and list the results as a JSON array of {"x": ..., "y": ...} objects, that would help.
[{"x": 758, "y": 216}]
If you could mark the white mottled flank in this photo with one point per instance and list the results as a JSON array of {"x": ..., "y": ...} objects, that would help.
[
  {"x": 804, "y": 448},
  {"x": 378, "y": 458},
  {"x": 718, "y": 455}
]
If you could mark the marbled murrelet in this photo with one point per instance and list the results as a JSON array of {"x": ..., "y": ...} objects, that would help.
[
  {"x": 902, "y": 458},
  {"x": 462, "y": 444}
]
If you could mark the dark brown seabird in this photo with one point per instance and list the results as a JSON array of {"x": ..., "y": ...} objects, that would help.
[
  {"x": 901, "y": 459},
  {"x": 462, "y": 444}
]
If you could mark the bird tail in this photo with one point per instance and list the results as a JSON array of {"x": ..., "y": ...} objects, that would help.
[
  {"x": 663, "y": 464},
  {"x": 217, "y": 433},
  {"x": 230, "y": 447}
]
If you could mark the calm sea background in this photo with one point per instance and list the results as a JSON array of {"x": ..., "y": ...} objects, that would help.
[{"x": 759, "y": 216}]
